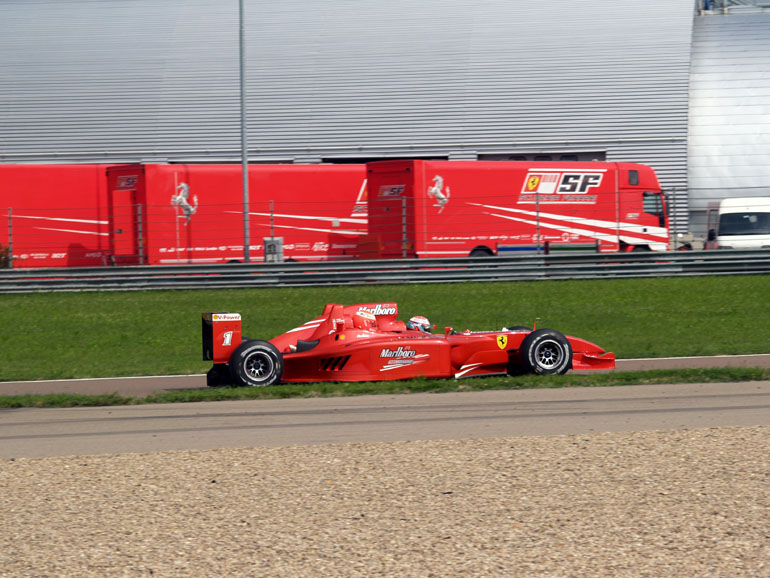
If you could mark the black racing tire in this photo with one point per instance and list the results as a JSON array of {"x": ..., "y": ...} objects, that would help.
[
  {"x": 256, "y": 364},
  {"x": 546, "y": 352}
]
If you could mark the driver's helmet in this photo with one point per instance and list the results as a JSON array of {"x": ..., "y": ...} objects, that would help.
[
  {"x": 364, "y": 320},
  {"x": 419, "y": 323}
]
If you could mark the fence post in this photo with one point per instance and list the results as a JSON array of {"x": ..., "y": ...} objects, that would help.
[
  {"x": 10, "y": 238},
  {"x": 673, "y": 227},
  {"x": 537, "y": 216},
  {"x": 403, "y": 227},
  {"x": 272, "y": 228},
  {"x": 140, "y": 233}
]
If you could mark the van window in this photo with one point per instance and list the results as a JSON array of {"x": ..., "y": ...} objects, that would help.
[{"x": 748, "y": 223}]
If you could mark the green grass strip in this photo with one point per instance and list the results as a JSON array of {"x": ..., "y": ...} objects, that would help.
[{"x": 112, "y": 334}]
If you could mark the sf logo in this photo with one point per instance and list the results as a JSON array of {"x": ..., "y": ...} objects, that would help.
[{"x": 502, "y": 341}]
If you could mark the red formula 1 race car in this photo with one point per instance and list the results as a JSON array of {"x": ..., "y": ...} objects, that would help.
[{"x": 367, "y": 343}]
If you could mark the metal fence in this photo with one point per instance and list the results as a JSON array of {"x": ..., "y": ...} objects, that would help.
[
  {"x": 588, "y": 265},
  {"x": 149, "y": 234}
]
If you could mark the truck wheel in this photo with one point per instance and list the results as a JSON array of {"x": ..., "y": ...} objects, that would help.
[
  {"x": 481, "y": 252},
  {"x": 256, "y": 364},
  {"x": 546, "y": 352}
]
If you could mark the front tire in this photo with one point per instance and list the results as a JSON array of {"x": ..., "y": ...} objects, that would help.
[
  {"x": 546, "y": 352},
  {"x": 256, "y": 364}
]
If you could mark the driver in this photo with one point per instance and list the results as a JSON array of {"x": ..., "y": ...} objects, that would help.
[{"x": 419, "y": 323}]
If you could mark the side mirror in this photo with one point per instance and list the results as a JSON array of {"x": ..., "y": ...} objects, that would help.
[{"x": 712, "y": 235}]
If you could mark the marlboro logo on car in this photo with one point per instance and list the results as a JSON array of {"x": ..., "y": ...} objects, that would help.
[{"x": 398, "y": 353}]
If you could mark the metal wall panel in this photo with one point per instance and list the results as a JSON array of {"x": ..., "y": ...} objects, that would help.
[
  {"x": 729, "y": 129},
  {"x": 131, "y": 80}
]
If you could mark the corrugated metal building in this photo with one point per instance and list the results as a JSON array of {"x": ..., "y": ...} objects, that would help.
[
  {"x": 729, "y": 127},
  {"x": 157, "y": 80}
]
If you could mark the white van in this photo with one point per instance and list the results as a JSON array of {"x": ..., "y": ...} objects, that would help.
[{"x": 739, "y": 223}]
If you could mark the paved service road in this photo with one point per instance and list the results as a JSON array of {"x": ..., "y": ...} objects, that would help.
[
  {"x": 32, "y": 432},
  {"x": 80, "y": 431}
]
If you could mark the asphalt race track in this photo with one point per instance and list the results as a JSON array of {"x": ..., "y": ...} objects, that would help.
[
  {"x": 32, "y": 432},
  {"x": 141, "y": 386}
]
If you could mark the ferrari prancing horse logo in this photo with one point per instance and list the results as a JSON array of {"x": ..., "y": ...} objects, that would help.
[
  {"x": 533, "y": 183},
  {"x": 502, "y": 341}
]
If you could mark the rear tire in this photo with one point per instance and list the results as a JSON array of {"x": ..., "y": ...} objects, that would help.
[
  {"x": 546, "y": 352},
  {"x": 256, "y": 364}
]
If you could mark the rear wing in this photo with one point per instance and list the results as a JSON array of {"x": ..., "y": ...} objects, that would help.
[{"x": 221, "y": 333}]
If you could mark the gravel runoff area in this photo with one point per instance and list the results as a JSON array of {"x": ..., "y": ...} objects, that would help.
[{"x": 661, "y": 503}]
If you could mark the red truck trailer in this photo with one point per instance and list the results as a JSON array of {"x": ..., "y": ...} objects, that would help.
[
  {"x": 483, "y": 208},
  {"x": 87, "y": 215},
  {"x": 193, "y": 214},
  {"x": 54, "y": 215},
  {"x": 158, "y": 214}
]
